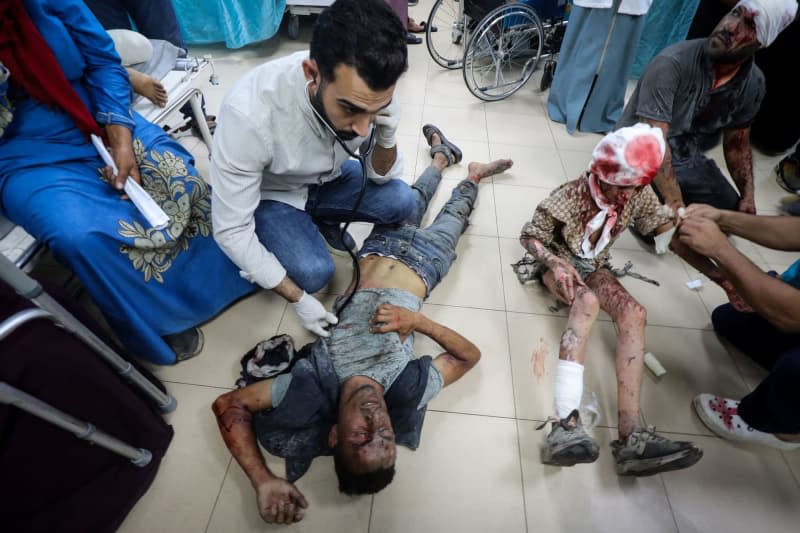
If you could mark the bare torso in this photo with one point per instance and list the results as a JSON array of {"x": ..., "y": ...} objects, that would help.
[{"x": 383, "y": 272}]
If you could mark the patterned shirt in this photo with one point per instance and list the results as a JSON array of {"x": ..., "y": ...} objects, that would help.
[{"x": 560, "y": 220}]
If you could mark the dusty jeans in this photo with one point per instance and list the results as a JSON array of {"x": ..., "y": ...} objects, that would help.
[{"x": 430, "y": 251}]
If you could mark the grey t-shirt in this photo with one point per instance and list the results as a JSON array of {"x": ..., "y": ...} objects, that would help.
[
  {"x": 676, "y": 88},
  {"x": 356, "y": 351}
]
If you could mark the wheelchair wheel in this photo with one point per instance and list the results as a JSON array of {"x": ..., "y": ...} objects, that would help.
[
  {"x": 503, "y": 51},
  {"x": 446, "y": 45}
]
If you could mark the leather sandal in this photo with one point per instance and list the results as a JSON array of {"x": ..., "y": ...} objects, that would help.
[{"x": 450, "y": 150}]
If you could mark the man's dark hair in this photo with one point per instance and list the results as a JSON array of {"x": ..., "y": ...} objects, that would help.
[
  {"x": 365, "y": 35},
  {"x": 354, "y": 483}
]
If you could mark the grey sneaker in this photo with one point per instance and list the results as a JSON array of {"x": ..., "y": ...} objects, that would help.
[
  {"x": 644, "y": 453},
  {"x": 568, "y": 443}
]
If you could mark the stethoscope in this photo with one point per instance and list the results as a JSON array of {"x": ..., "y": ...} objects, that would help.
[{"x": 361, "y": 156}]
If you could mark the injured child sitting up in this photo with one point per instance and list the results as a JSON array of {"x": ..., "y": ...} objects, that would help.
[
  {"x": 568, "y": 240},
  {"x": 360, "y": 391}
]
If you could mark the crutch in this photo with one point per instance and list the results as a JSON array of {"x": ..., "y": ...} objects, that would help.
[
  {"x": 83, "y": 430},
  {"x": 49, "y": 308}
]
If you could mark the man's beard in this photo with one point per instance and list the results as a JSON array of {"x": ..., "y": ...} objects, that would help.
[
  {"x": 728, "y": 57},
  {"x": 316, "y": 102}
]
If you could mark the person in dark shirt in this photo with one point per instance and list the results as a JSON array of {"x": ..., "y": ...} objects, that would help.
[
  {"x": 696, "y": 90},
  {"x": 358, "y": 392}
]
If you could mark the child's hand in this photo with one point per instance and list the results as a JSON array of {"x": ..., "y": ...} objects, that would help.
[{"x": 567, "y": 279}]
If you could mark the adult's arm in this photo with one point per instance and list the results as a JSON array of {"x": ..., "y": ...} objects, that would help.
[
  {"x": 104, "y": 76},
  {"x": 776, "y": 232},
  {"x": 240, "y": 154},
  {"x": 106, "y": 82},
  {"x": 665, "y": 180},
  {"x": 460, "y": 354},
  {"x": 278, "y": 500},
  {"x": 775, "y": 300},
  {"x": 658, "y": 89},
  {"x": 739, "y": 159}
]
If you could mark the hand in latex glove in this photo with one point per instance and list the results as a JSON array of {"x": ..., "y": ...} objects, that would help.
[
  {"x": 386, "y": 122},
  {"x": 313, "y": 315}
]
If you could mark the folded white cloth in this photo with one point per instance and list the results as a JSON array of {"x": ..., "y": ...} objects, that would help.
[{"x": 132, "y": 47}]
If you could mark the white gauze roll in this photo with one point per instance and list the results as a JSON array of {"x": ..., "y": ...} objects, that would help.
[{"x": 568, "y": 387}]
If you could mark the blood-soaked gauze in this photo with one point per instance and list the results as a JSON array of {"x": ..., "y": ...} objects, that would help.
[
  {"x": 771, "y": 17},
  {"x": 568, "y": 387},
  {"x": 628, "y": 157}
]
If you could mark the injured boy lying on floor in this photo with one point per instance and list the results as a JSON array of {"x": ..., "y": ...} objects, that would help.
[
  {"x": 568, "y": 241},
  {"x": 358, "y": 392}
]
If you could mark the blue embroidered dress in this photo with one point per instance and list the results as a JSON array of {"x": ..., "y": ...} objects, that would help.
[{"x": 148, "y": 283}]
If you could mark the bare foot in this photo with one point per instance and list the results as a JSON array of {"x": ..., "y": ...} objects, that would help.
[
  {"x": 478, "y": 171},
  {"x": 415, "y": 27},
  {"x": 148, "y": 87}
]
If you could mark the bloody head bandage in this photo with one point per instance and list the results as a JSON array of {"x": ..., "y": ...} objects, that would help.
[
  {"x": 771, "y": 17},
  {"x": 628, "y": 157}
]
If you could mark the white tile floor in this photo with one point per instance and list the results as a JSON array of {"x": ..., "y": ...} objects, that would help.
[{"x": 477, "y": 469}]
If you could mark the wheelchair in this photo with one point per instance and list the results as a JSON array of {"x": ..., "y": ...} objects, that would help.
[{"x": 497, "y": 44}]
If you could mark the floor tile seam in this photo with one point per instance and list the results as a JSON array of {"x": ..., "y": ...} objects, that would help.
[
  {"x": 521, "y": 471},
  {"x": 729, "y": 350},
  {"x": 219, "y": 494},
  {"x": 371, "y": 509},
  {"x": 558, "y": 151},
  {"x": 604, "y": 319},
  {"x": 669, "y": 503},
  {"x": 547, "y": 189},
  {"x": 529, "y": 145},
  {"x": 791, "y": 470},
  {"x": 464, "y": 413},
  {"x": 205, "y": 385},
  {"x": 516, "y": 419}
]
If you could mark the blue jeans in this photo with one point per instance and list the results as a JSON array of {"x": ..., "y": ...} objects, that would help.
[
  {"x": 292, "y": 235},
  {"x": 430, "y": 251}
]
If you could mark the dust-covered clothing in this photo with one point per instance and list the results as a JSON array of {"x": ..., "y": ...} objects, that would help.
[
  {"x": 677, "y": 88},
  {"x": 560, "y": 219}
]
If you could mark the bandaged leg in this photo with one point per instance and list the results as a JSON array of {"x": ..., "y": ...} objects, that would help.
[
  {"x": 568, "y": 387},
  {"x": 572, "y": 350}
]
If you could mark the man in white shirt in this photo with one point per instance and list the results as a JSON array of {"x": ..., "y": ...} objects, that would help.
[{"x": 282, "y": 174}]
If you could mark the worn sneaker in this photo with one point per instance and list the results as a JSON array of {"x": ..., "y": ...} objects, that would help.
[
  {"x": 644, "y": 453},
  {"x": 721, "y": 415},
  {"x": 332, "y": 234},
  {"x": 568, "y": 443}
]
